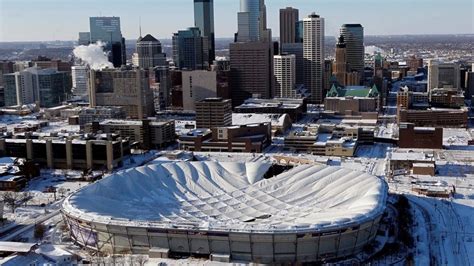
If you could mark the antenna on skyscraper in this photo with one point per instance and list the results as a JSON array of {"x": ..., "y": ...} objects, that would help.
[{"x": 140, "y": 25}]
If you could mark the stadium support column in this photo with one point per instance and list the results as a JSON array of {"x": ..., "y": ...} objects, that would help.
[
  {"x": 2, "y": 147},
  {"x": 69, "y": 154},
  {"x": 110, "y": 155},
  {"x": 29, "y": 149},
  {"x": 121, "y": 151},
  {"x": 49, "y": 153},
  {"x": 89, "y": 155}
]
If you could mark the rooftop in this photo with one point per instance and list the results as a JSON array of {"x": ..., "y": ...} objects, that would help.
[{"x": 231, "y": 196}]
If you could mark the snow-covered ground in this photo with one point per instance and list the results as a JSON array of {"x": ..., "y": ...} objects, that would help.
[{"x": 454, "y": 138}]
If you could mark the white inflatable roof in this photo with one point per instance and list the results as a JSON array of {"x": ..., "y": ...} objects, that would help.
[{"x": 231, "y": 197}]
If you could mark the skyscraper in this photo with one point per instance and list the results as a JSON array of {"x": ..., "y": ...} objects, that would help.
[
  {"x": 107, "y": 30},
  {"x": 204, "y": 20},
  {"x": 126, "y": 88},
  {"x": 295, "y": 49},
  {"x": 470, "y": 83},
  {"x": 150, "y": 52},
  {"x": 251, "y": 57},
  {"x": 188, "y": 49},
  {"x": 313, "y": 53},
  {"x": 84, "y": 38},
  {"x": 341, "y": 68},
  {"x": 252, "y": 21},
  {"x": 354, "y": 39},
  {"x": 251, "y": 71},
  {"x": 285, "y": 75},
  {"x": 80, "y": 80},
  {"x": 288, "y": 25}
]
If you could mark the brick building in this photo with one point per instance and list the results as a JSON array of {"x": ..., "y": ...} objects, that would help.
[
  {"x": 434, "y": 117},
  {"x": 249, "y": 138},
  {"x": 420, "y": 137}
]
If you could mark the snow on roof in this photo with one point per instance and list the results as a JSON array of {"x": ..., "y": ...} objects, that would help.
[
  {"x": 7, "y": 246},
  {"x": 27, "y": 259},
  {"x": 245, "y": 119},
  {"x": 53, "y": 252},
  {"x": 231, "y": 197}
]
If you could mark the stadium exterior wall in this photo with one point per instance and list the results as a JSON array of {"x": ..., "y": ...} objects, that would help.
[{"x": 262, "y": 247}]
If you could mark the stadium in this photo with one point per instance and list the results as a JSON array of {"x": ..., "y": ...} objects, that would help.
[{"x": 229, "y": 212}]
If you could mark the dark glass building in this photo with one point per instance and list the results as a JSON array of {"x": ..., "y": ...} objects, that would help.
[
  {"x": 188, "y": 49},
  {"x": 204, "y": 20},
  {"x": 107, "y": 30}
]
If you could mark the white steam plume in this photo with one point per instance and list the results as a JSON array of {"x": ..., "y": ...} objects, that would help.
[
  {"x": 372, "y": 50},
  {"x": 93, "y": 55}
]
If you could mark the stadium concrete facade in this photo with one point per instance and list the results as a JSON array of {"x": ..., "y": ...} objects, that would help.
[{"x": 229, "y": 211}]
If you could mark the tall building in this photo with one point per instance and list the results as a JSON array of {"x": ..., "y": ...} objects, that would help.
[
  {"x": 80, "y": 80},
  {"x": 107, "y": 30},
  {"x": 288, "y": 25},
  {"x": 198, "y": 85},
  {"x": 341, "y": 69},
  {"x": 313, "y": 54},
  {"x": 251, "y": 71},
  {"x": 149, "y": 52},
  {"x": 161, "y": 86},
  {"x": 188, "y": 49},
  {"x": 470, "y": 83},
  {"x": 125, "y": 88},
  {"x": 295, "y": 49},
  {"x": 204, "y": 20},
  {"x": 84, "y": 38},
  {"x": 354, "y": 39},
  {"x": 251, "y": 57},
  {"x": 47, "y": 87},
  {"x": 285, "y": 75},
  {"x": 213, "y": 112},
  {"x": 299, "y": 31},
  {"x": 252, "y": 21},
  {"x": 443, "y": 75}
]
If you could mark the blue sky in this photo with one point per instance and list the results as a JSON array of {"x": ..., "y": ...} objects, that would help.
[{"x": 22, "y": 20}]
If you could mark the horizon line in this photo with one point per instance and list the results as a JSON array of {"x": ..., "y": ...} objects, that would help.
[{"x": 217, "y": 38}]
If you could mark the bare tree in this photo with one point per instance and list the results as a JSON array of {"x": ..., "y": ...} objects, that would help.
[
  {"x": 12, "y": 200},
  {"x": 62, "y": 191},
  {"x": 26, "y": 197},
  {"x": 140, "y": 260}
]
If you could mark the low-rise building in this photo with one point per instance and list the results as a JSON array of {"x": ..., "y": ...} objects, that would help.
[
  {"x": 329, "y": 140},
  {"x": 295, "y": 108},
  {"x": 87, "y": 115},
  {"x": 248, "y": 138},
  {"x": 446, "y": 98},
  {"x": 71, "y": 152},
  {"x": 434, "y": 117},
  {"x": 213, "y": 112},
  {"x": 320, "y": 144},
  {"x": 280, "y": 122},
  {"x": 352, "y": 100},
  {"x": 402, "y": 161},
  {"x": 420, "y": 137},
  {"x": 147, "y": 134}
]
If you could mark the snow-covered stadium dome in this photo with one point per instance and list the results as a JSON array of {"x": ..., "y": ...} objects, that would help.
[{"x": 308, "y": 213}]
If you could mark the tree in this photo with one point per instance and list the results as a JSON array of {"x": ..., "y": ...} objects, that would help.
[
  {"x": 40, "y": 230},
  {"x": 15, "y": 199},
  {"x": 62, "y": 191},
  {"x": 140, "y": 260},
  {"x": 11, "y": 199}
]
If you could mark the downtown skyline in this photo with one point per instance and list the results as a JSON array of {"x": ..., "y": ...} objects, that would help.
[{"x": 162, "y": 18}]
